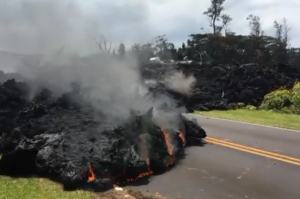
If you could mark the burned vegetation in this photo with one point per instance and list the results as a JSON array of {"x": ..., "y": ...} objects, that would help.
[{"x": 67, "y": 140}]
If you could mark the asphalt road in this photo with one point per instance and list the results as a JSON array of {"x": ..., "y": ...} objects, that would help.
[{"x": 240, "y": 161}]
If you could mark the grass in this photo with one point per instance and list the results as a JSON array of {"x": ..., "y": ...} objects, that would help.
[
  {"x": 37, "y": 188},
  {"x": 288, "y": 121}
]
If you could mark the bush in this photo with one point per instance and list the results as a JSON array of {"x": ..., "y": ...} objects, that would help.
[
  {"x": 296, "y": 96},
  {"x": 277, "y": 100},
  {"x": 250, "y": 107},
  {"x": 240, "y": 105}
]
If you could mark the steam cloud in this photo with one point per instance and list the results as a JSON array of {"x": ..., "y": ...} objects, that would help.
[
  {"x": 181, "y": 83},
  {"x": 36, "y": 30}
]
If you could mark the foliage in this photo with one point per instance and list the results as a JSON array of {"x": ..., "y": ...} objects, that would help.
[
  {"x": 271, "y": 118},
  {"x": 27, "y": 188},
  {"x": 220, "y": 46},
  {"x": 283, "y": 100},
  {"x": 255, "y": 25},
  {"x": 240, "y": 105},
  {"x": 296, "y": 96},
  {"x": 214, "y": 13},
  {"x": 277, "y": 100},
  {"x": 250, "y": 107}
]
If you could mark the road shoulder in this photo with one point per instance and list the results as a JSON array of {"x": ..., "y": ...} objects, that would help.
[{"x": 260, "y": 118}]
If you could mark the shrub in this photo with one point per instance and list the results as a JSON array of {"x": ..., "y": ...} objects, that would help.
[
  {"x": 250, "y": 107},
  {"x": 296, "y": 96},
  {"x": 277, "y": 100},
  {"x": 240, "y": 105}
]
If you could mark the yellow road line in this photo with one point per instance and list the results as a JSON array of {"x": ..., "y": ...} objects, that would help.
[
  {"x": 280, "y": 157},
  {"x": 254, "y": 149}
]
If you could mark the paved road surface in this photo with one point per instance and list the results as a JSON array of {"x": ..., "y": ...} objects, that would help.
[{"x": 267, "y": 168}]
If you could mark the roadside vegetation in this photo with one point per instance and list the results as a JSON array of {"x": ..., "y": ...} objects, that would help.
[
  {"x": 37, "y": 188},
  {"x": 270, "y": 118},
  {"x": 279, "y": 108}
]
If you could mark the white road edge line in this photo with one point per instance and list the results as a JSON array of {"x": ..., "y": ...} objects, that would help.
[{"x": 249, "y": 123}]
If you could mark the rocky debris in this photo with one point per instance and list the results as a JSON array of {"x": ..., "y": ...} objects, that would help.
[
  {"x": 128, "y": 194},
  {"x": 68, "y": 141},
  {"x": 222, "y": 86}
]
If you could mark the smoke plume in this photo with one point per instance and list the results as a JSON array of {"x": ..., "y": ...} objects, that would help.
[
  {"x": 180, "y": 83},
  {"x": 54, "y": 42}
]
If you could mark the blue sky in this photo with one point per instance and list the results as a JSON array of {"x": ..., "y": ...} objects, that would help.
[{"x": 44, "y": 25}]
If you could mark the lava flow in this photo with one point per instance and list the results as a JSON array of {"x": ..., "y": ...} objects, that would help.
[
  {"x": 92, "y": 176},
  {"x": 144, "y": 174},
  {"x": 171, "y": 159},
  {"x": 145, "y": 152},
  {"x": 182, "y": 137}
]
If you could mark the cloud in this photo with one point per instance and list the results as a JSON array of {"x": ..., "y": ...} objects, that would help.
[
  {"x": 177, "y": 18},
  {"x": 37, "y": 25}
]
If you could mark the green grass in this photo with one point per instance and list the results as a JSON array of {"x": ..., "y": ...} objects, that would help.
[
  {"x": 37, "y": 188},
  {"x": 257, "y": 116}
]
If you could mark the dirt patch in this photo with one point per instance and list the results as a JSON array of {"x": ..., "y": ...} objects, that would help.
[{"x": 128, "y": 194}]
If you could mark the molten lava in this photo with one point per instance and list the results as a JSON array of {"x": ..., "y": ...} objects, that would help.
[
  {"x": 144, "y": 148},
  {"x": 92, "y": 176},
  {"x": 168, "y": 141},
  {"x": 171, "y": 159},
  {"x": 182, "y": 137},
  {"x": 144, "y": 174},
  {"x": 147, "y": 161},
  {"x": 145, "y": 153}
]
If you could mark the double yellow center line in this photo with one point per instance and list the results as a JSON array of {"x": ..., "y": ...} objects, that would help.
[{"x": 256, "y": 151}]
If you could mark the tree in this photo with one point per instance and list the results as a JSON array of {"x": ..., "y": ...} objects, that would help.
[
  {"x": 103, "y": 45},
  {"x": 183, "y": 47},
  {"x": 255, "y": 25},
  {"x": 189, "y": 43},
  {"x": 226, "y": 19},
  {"x": 214, "y": 15},
  {"x": 147, "y": 51},
  {"x": 160, "y": 43},
  {"x": 143, "y": 51},
  {"x": 286, "y": 31},
  {"x": 281, "y": 41},
  {"x": 163, "y": 48},
  {"x": 278, "y": 28},
  {"x": 122, "y": 51}
]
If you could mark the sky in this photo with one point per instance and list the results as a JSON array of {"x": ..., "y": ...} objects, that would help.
[{"x": 35, "y": 26}]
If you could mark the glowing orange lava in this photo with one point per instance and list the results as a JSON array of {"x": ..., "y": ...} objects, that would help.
[
  {"x": 92, "y": 176},
  {"x": 144, "y": 149},
  {"x": 171, "y": 160},
  {"x": 141, "y": 175},
  {"x": 168, "y": 141},
  {"x": 182, "y": 137},
  {"x": 147, "y": 161},
  {"x": 145, "y": 153},
  {"x": 144, "y": 174}
]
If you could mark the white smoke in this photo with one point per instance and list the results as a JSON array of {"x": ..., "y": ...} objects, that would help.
[{"x": 55, "y": 45}]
